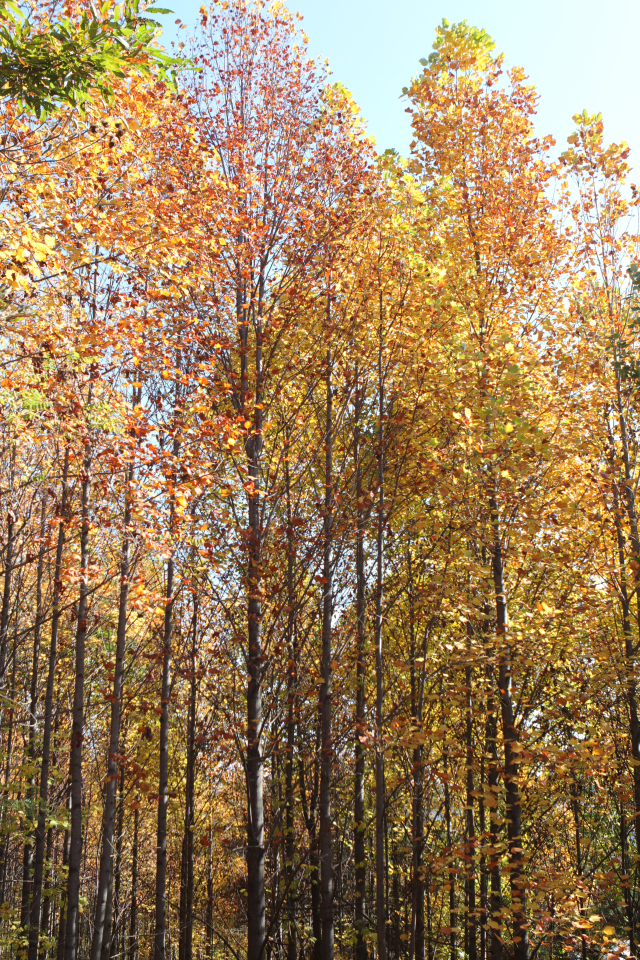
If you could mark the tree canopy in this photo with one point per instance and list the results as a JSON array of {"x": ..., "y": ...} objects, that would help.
[{"x": 319, "y": 544}]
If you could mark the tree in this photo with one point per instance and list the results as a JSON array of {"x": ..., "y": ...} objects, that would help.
[{"x": 46, "y": 64}]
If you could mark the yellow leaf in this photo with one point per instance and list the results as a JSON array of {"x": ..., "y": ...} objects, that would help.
[{"x": 609, "y": 931}]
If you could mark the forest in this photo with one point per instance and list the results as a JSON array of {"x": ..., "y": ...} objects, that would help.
[{"x": 319, "y": 536}]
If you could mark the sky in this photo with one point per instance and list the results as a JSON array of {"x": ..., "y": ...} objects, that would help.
[{"x": 580, "y": 54}]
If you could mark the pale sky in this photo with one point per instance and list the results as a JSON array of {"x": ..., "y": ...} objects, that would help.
[{"x": 580, "y": 54}]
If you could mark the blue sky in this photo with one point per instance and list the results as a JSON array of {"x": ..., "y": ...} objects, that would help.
[{"x": 580, "y": 54}]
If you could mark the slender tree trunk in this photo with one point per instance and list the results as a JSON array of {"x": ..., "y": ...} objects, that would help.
[
  {"x": 316, "y": 917},
  {"x": 133, "y": 912},
  {"x": 46, "y": 910},
  {"x": 381, "y": 914},
  {"x": 387, "y": 905},
  {"x": 4, "y": 642},
  {"x": 416, "y": 941},
  {"x": 326, "y": 753},
  {"x": 40, "y": 831},
  {"x": 274, "y": 944},
  {"x": 163, "y": 779},
  {"x": 255, "y": 770},
  {"x": 309, "y": 813},
  {"x": 359, "y": 854},
  {"x": 292, "y": 681},
  {"x": 112, "y": 927},
  {"x": 210, "y": 899},
  {"x": 430, "y": 950},
  {"x": 77, "y": 730},
  {"x": 510, "y": 740},
  {"x": 630, "y": 658},
  {"x": 182, "y": 909},
  {"x": 289, "y": 839},
  {"x": 629, "y": 496},
  {"x": 254, "y": 765},
  {"x": 493, "y": 780},
  {"x": 451, "y": 871},
  {"x": 108, "y": 923},
  {"x": 185, "y": 948},
  {"x": 575, "y": 807},
  {"x": 6, "y": 591},
  {"x": 62, "y": 924},
  {"x": 160, "y": 931},
  {"x": 470, "y": 824},
  {"x": 105, "y": 871},
  {"x": 483, "y": 866},
  {"x": 29, "y": 850},
  {"x": 6, "y": 843},
  {"x": 395, "y": 893}
]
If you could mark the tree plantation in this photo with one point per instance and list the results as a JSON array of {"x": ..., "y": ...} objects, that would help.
[{"x": 319, "y": 541}]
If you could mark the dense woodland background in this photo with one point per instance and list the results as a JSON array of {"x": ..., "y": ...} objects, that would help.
[{"x": 320, "y": 562}]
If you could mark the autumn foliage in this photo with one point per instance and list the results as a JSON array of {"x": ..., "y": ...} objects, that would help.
[{"x": 320, "y": 553}]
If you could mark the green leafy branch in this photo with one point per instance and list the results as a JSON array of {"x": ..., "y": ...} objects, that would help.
[{"x": 47, "y": 66}]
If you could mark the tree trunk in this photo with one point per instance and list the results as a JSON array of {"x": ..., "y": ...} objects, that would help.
[
  {"x": 256, "y": 902},
  {"x": 416, "y": 941},
  {"x": 470, "y": 824},
  {"x": 28, "y": 853},
  {"x": 77, "y": 731},
  {"x": 430, "y": 946},
  {"x": 160, "y": 931},
  {"x": 326, "y": 745},
  {"x": 510, "y": 740},
  {"x": 185, "y": 948},
  {"x": 62, "y": 925},
  {"x": 112, "y": 927},
  {"x": 46, "y": 910},
  {"x": 133, "y": 913},
  {"x": 256, "y": 894},
  {"x": 40, "y": 831},
  {"x": 450, "y": 870},
  {"x": 6, "y": 842},
  {"x": 163, "y": 779},
  {"x": 359, "y": 854},
  {"x": 575, "y": 806},
  {"x": 381, "y": 916},
  {"x": 292, "y": 681},
  {"x": 210, "y": 898},
  {"x": 493, "y": 780},
  {"x": 105, "y": 872},
  {"x": 483, "y": 866},
  {"x": 6, "y": 590},
  {"x": 395, "y": 892},
  {"x": 631, "y": 686},
  {"x": 255, "y": 773},
  {"x": 108, "y": 923},
  {"x": 309, "y": 813},
  {"x": 4, "y": 642}
]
